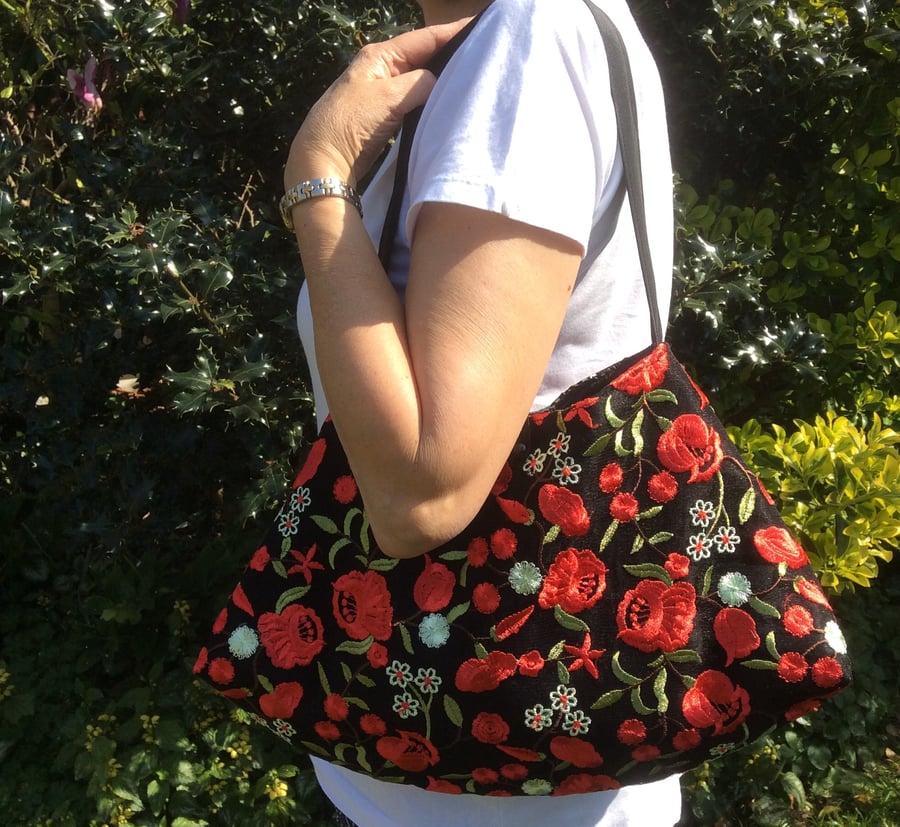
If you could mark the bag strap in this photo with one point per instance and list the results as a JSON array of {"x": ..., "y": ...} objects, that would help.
[{"x": 625, "y": 106}]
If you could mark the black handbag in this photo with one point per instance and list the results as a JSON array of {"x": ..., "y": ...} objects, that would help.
[{"x": 626, "y": 605}]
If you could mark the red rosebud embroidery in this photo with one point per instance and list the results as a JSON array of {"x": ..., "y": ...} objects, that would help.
[
  {"x": 792, "y": 667},
  {"x": 624, "y": 508},
  {"x": 512, "y": 624},
  {"x": 485, "y": 674},
  {"x": 514, "y": 772},
  {"x": 503, "y": 544},
  {"x": 578, "y": 753},
  {"x": 811, "y": 591},
  {"x": 362, "y": 605},
  {"x": 312, "y": 463},
  {"x": 437, "y": 785},
  {"x": 827, "y": 672},
  {"x": 434, "y": 586},
  {"x": 372, "y": 724},
  {"x": 490, "y": 728},
  {"x": 336, "y": 708},
  {"x": 281, "y": 701},
  {"x": 292, "y": 638},
  {"x": 260, "y": 558},
  {"x": 691, "y": 446},
  {"x": 677, "y": 565},
  {"x": 736, "y": 632},
  {"x": 585, "y": 783},
  {"x": 486, "y": 598},
  {"x": 327, "y": 731},
  {"x": 531, "y": 663},
  {"x": 611, "y": 477},
  {"x": 686, "y": 739},
  {"x": 631, "y": 732},
  {"x": 646, "y": 375},
  {"x": 485, "y": 775},
  {"x": 662, "y": 487},
  {"x": 564, "y": 508},
  {"x": 478, "y": 552},
  {"x": 654, "y": 616},
  {"x": 410, "y": 751},
  {"x": 221, "y": 671},
  {"x": 515, "y": 511},
  {"x": 646, "y": 752},
  {"x": 714, "y": 701},
  {"x": 797, "y": 621},
  {"x": 800, "y": 709},
  {"x": 776, "y": 545},
  {"x": 521, "y": 753},
  {"x": 377, "y": 656},
  {"x": 575, "y": 582},
  {"x": 345, "y": 489}
]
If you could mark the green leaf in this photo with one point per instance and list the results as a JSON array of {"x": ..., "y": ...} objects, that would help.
[
  {"x": 707, "y": 581},
  {"x": 608, "y": 699},
  {"x": 760, "y": 607},
  {"x": 771, "y": 646},
  {"x": 659, "y": 690},
  {"x": 384, "y": 563},
  {"x": 265, "y": 683},
  {"x": 290, "y": 596},
  {"x": 599, "y": 445},
  {"x": 454, "y": 556},
  {"x": 556, "y": 652},
  {"x": 325, "y": 523},
  {"x": 336, "y": 546},
  {"x": 608, "y": 534},
  {"x": 684, "y": 656},
  {"x": 458, "y": 611},
  {"x": 660, "y": 537},
  {"x": 452, "y": 711},
  {"x": 662, "y": 395},
  {"x": 747, "y": 506},
  {"x": 562, "y": 674},
  {"x": 638, "y": 703},
  {"x": 636, "y": 434},
  {"x": 611, "y": 417},
  {"x": 762, "y": 665},
  {"x": 323, "y": 679},
  {"x": 567, "y": 621},
  {"x": 621, "y": 674},
  {"x": 407, "y": 639},
  {"x": 356, "y": 647},
  {"x": 649, "y": 571}
]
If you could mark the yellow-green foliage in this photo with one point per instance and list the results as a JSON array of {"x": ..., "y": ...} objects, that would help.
[{"x": 838, "y": 487}]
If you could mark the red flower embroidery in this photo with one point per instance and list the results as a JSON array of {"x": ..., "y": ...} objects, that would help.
[
  {"x": 624, "y": 508},
  {"x": 281, "y": 701},
  {"x": 578, "y": 753},
  {"x": 485, "y": 775},
  {"x": 513, "y": 623},
  {"x": 372, "y": 724},
  {"x": 714, "y": 701},
  {"x": 811, "y": 591},
  {"x": 580, "y": 409},
  {"x": 800, "y": 709},
  {"x": 410, "y": 751},
  {"x": 202, "y": 660},
  {"x": 260, "y": 558},
  {"x": 646, "y": 374},
  {"x": 437, "y": 785},
  {"x": 515, "y": 511},
  {"x": 305, "y": 564},
  {"x": 503, "y": 480},
  {"x": 677, "y": 565},
  {"x": 503, "y": 544},
  {"x": 514, "y": 772},
  {"x": 521, "y": 753},
  {"x": 327, "y": 731},
  {"x": 336, "y": 707},
  {"x": 377, "y": 656},
  {"x": 239, "y": 598},
  {"x": 735, "y": 630},
  {"x": 531, "y": 663},
  {"x": 478, "y": 552},
  {"x": 221, "y": 671},
  {"x": 690, "y": 445},
  {"x": 486, "y": 598},
  {"x": 362, "y": 605},
  {"x": 434, "y": 587},
  {"x": 655, "y": 616},
  {"x": 220, "y": 622},
  {"x": 776, "y": 545},
  {"x": 345, "y": 490},
  {"x": 798, "y": 621},
  {"x": 827, "y": 672},
  {"x": 611, "y": 477},
  {"x": 585, "y": 656},
  {"x": 485, "y": 674},
  {"x": 646, "y": 752},
  {"x": 631, "y": 732},
  {"x": 292, "y": 638},
  {"x": 585, "y": 783},
  {"x": 686, "y": 739},
  {"x": 490, "y": 728},
  {"x": 792, "y": 667},
  {"x": 576, "y": 581},
  {"x": 564, "y": 508},
  {"x": 312, "y": 463},
  {"x": 662, "y": 487}
]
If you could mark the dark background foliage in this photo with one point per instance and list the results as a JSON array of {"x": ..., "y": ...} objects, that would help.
[{"x": 153, "y": 394}]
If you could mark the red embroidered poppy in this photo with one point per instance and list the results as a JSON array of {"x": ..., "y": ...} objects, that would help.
[
  {"x": 486, "y": 598},
  {"x": 654, "y": 616},
  {"x": 564, "y": 508},
  {"x": 611, "y": 477},
  {"x": 792, "y": 667},
  {"x": 776, "y": 545},
  {"x": 583, "y": 782},
  {"x": 221, "y": 671},
  {"x": 327, "y": 731},
  {"x": 437, "y": 785},
  {"x": 677, "y": 565},
  {"x": 478, "y": 552},
  {"x": 645, "y": 752},
  {"x": 336, "y": 708},
  {"x": 646, "y": 375},
  {"x": 691, "y": 446},
  {"x": 345, "y": 489},
  {"x": 631, "y": 732},
  {"x": 797, "y": 621},
  {"x": 362, "y": 605},
  {"x": 531, "y": 663},
  {"x": 800, "y": 709},
  {"x": 292, "y": 638},
  {"x": 410, "y": 751},
  {"x": 260, "y": 558},
  {"x": 714, "y": 701},
  {"x": 686, "y": 739},
  {"x": 377, "y": 656},
  {"x": 624, "y": 508},
  {"x": 811, "y": 591},
  {"x": 490, "y": 728},
  {"x": 514, "y": 772},
  {"x": 434, "y": 586},
  {"x": 485, "y": 775},
  {"x": 372, "y": 724},
  {"x": 735, "y": 630},
  {"x": 575, "y": 582},
  {"x": 485, "y": 674},
  {"x": 827, "y": 672},
  {"x": 578, "y": 753},
  {"x": 503, "y": 544},
  {"x": 662, "y": 487},
  {"x": 281, "y": 701}
]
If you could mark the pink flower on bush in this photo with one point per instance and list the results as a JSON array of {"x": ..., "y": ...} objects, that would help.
[{"x": 83, "y": 87}]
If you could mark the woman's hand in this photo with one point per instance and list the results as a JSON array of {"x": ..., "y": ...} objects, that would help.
[{"x": 347, "y": 128}]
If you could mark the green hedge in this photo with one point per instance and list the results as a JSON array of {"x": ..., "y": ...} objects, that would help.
[{"x": 153, "y": 395}]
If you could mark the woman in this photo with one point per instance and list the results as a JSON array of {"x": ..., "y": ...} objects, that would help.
[{"x": 514, "y": 275}]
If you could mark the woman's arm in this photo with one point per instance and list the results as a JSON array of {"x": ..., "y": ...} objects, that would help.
[{"x": 428, "y": 398}]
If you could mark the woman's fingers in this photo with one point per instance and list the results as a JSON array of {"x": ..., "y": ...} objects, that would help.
[{"x": 407, "y": 51}]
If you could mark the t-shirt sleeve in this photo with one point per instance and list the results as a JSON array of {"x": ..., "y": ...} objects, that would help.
[{"x": 521, "y": 121}]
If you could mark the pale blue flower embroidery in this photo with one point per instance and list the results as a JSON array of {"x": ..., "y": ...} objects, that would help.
[
  {"x": 243, "y": 642},
  {"x": 563, "y": 698},
  {"x": 538, "y": 717},
  {"x": 428, "y": 681},
  {"x": 399, "y": 674},
  {"x": 525, "y": 578},
  {"x": 734, "y": 589},
  {"x": 566, "y": 471},
  {"x": 434, "y": 631},
  {"x": 406, "y": 706},
  {"x": 535, "y": 462},
  {"x": 577, "y": 723},
  {"x": 559, "y": 445}
]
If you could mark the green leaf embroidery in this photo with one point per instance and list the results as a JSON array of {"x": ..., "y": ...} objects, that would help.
[
  {"x": 327, "y": 525},
  {"x": 662, "y": 395},
  {"x": 480, "y": 651},
  {"x": 359, "y": 703},
  {"x": 323, "y": 680},
  {"x": 452, "y": 711},
  {"x": 285, "y": 546},
  {"x": 551, "y": 534},
  {"x": 279, "y": 568},
  {"x": 660, "y": 537},
  {"x": 567, "y": 621},
  {"x": 407, "y": 640},
  {"x": 621, "y": 674},
  {"x": 265, "y": 683},
  {"x": 707, "y": 581},
  {"x": 608, "y": 699},
  {"x": 651, "y": 571},
  {"x": 556, "y": 652},
  {"x": 611, "y": 418},
  {"x": 760, "y": 664},
  {"x": 364, "y": 534},
  {"x": 599, "y": 446},
  {"x": 347, "y": 672},
  {"x": 638, "y": 544},
  {"x": 562, "y": 673},
  {"x": 683, "y": 656},
  {"x": 763, "y": 608},
  {"x": 362, "y": 759},
  {"x": 290, "y": 596},
  {"x": 366, "y": 681},
  {"x": 659, "y": 690},
  {"x": 348, "y": 520},
  {"x": 335, "y": 548},
  {"x": 453, "y": 556},
  {"x": 356, "y": 647},
  {"x": 638, "y": 703},
  {"x": 458, "y": 611},
  {"x": 653, "y": 511},
  {"x": 384, "y": 564},
  {"x": 636, "y": 434},
  {"x": 747, "y": 506},
  {"x": 621, "y": 450},
  {"x": 608, "y": 534},
  {"x": 771, "y": 647}
]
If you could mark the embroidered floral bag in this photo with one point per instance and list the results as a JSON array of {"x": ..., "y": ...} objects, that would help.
[{"x": 626, "y": 604}]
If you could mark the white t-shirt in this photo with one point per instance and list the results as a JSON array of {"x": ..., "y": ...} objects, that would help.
[{"x": 521, "y": 122}]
